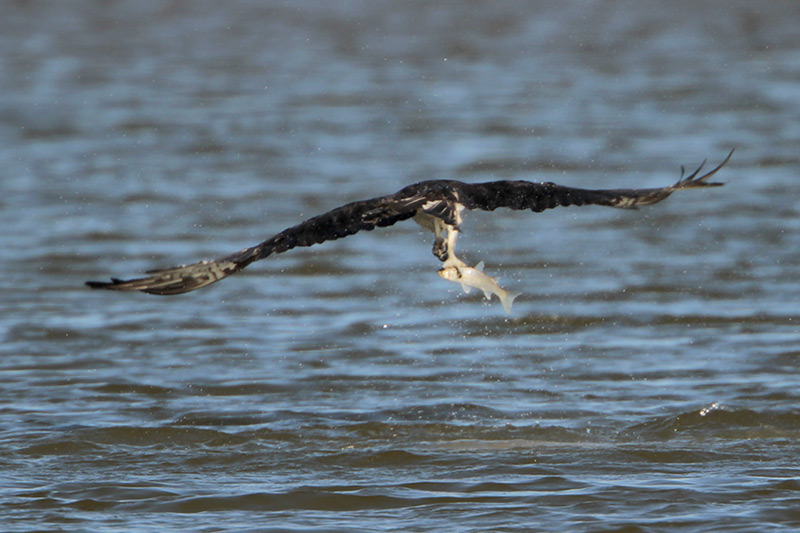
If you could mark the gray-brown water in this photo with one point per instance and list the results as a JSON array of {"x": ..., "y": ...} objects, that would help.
[{"x": 646, "y": 380}]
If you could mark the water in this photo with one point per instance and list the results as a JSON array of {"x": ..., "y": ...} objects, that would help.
[{"x": 646, "y": 380}]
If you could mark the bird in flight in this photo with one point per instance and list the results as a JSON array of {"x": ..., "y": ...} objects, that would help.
[{"x": 436, "y": 205}]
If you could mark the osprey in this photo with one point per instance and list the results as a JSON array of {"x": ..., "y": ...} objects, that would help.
[{"x": 436, "y": 205}]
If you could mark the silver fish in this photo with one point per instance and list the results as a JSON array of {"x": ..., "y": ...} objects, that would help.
[{"x": 470, "y": 277}]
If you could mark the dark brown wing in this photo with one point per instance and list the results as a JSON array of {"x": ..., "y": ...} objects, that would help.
[
  {"x": 438, "y": 198},
  {"x": 540, "y": 196},
  {"x": 365, "y": 215}
]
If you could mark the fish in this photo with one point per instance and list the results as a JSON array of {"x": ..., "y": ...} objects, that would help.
[{"x": 470, "y": 277}]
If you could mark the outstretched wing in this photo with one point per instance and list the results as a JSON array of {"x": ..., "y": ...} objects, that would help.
[
  {"x": 438, "y": 198},
  {"x": 341, "y": 222},
  {"x": 540, "y": 196}
]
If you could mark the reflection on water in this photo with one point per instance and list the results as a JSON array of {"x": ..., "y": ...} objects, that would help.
[{"x": 648, "y": 374}]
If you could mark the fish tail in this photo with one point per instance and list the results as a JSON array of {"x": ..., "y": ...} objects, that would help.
[{"x": 507, "y": 299}]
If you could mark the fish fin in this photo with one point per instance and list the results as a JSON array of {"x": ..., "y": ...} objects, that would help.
[
  {"x": 507, "y": 300},
  {"x": 479, "y": 266},
  {"x": 467, "y": 288},
  {"x": 488, "y": 294}
]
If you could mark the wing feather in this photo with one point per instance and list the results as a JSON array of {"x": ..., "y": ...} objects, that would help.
[
  {"x": 540, "y": 196},
  {"x": 437, "y": 198},
  {"x": 346, "y": 220}
]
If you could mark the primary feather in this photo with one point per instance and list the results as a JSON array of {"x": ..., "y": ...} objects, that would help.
[{"x": 439, "y": 199}]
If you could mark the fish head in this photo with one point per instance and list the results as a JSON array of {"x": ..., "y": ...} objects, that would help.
[{"x": 449, "y": 273}]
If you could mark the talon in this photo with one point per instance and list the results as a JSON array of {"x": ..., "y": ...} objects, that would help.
[{"x": 440, "y": 249}]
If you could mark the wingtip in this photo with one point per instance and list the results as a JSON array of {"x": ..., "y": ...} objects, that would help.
[
  {"x": 101, "y": 284},
  {"x": 115, "y": 284},
  {"x": 693, "y": 180}
]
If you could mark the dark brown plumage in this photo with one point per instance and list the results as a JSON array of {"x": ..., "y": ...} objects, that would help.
[{"x": 440, "y": 199}]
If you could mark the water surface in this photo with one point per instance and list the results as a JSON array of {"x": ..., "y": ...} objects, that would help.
[{"x": 646, "y": 380}]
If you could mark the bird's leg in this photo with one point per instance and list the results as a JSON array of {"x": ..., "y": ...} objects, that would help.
[
  {"x": 439, "y": 243},
  {"x": 440, "y": 248},
  {"x": 445, "y": 247}
]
